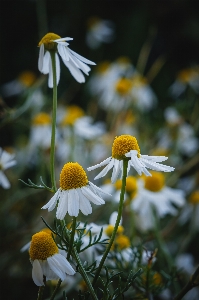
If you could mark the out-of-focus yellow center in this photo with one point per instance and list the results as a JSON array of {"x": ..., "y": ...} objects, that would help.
[
  {"x": 186, "y": 75},
  {"x": 73, "y": 113},
  {"x": 103, "y": 67},
  {"x": 130, "y": 118},
  {"x": 48, "y": 41},
  {"x": 160, "y": 152},
  {"x": 131, "y": 184},
  {"x": 123, "y": 86},
  {"x": 27, "y": 78},
  {"x": 194, "y": 197},
  {"x": 41, "y": 119},
  {"x": 42, "y": 246},
  {"x": 138, "y": 81},
  {"x": 122, "y": 242},
  {"x": 124, "y": 60},
  {"x": 110, "y": 227},
  {"x": 72, "y": 176},
  {"x": 155, "y": 182},
  {"x": 157, "y": 279},
  {"x": 122, "y": 145}
]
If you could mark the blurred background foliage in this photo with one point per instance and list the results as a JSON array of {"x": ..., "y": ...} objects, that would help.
[{"x": 169, "y": 31}]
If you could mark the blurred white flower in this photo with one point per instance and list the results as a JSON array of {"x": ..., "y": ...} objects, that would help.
[
  {"x": 6, "y": 161},
  {"x": 73, "y": 61}
]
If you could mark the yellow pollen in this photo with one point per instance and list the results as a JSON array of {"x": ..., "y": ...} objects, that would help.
[
  {"x": 155, "y": 182},
  {"x": 72, "y": 176},
  {"x": 27, "y": 78},
  {"x": 42, "y": 246},
  {"x": 73, "y": 113},
  {"x": 41, "y": 119},
  {"x": 109, "y": 230},
  {"x": 122, "y": 242},
  {"x": 122, "y": 145},
  {"x": 194, "y": 197},
  {"x": 48, "y": 41},
  {"x": 186, "y": 75},
  {"x": 131, "y": 184},
  {"x": 123, "y": 86}
]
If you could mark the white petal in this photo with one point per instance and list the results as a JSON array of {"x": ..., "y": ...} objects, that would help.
[
  {"x": 9, "y": 164},
  {"x": 91, "y": 196},
  {"x": 41, "y": 57},
  {"x": 63, "y": 205},
  {"x": 52, "y": 201},
  {"x": 113, "y": 218},
  {"x": 85, "y": 60},
  {"x": 63, "y": 52},
  {"x": 59, "y": 262},
  {"x": 4, "y": 181},
  {"x": 106, "y": 169},
  {"x": 64, "y": 39},
  {"x": 98, "y": 189},
  {"x": 50, "y": 77},
  {"x": 84, "y": 204},
  {"x": 55, "y": 267},
  {"x": 103, "y": 163},
  {"x": 73, "y": 203},
  {"x": 75, "y": 72},
  {"x": 116, "y": 170},
  {"x": 155, "y": 158},
  {"x": 37, "y": 274},
  {"x": 46, "y": 62},
  {"x": 57, "y": 62},
  {"x": 156, "y": 166}
]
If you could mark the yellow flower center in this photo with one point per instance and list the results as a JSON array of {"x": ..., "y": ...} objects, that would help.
[
  {"x": 124, "y": 60},
  {"x": 103, "y": 67},
  {"x": 186, "y": 75},
  {"x": 48, "y": 41},
  {"x": 155, "y": 182},
  {"x": 72, "y": 176},
  {"x": 122, "y": 145},
  {"x": 109, "y": 230},
  {"x": 74, "y": 112},
  {"x": 42, "y": 246},
  {"x": 131, "y": 184},
  {"x": 122, "y": 242},
  {"x": 41, "y": 119},
  {"x": 157, "y": 279},
  {"x": 123, "y": 86},
  {"x": 194, "y": 197},
  {"x": 27, "y": 78}
]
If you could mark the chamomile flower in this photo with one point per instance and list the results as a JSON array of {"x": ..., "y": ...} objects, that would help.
[
  {"x": 126, "y": 147},
  {"x": 75, "y": 193},
  {"x": 76, "y": 63},
  {"x": 6, "y": 161},
  {"x": 153, "y": 194},
  {"x": 46, "y": 259}
]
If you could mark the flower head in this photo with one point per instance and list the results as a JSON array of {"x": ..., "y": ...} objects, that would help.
[
  {"x": 6, "y": 161},
  {"x": 46, "y": 259},
  {"x": 75, "y": 192},
  {"x": 126, "y": 147},
  {"x": 76, "y": 63}
]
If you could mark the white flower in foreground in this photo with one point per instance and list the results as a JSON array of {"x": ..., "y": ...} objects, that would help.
[
  {"x": 76, "y": 63},
  {"x": 126, "y": 147},
  {"x": 152, "y": 194},
  {"x": 6, "y": 161},
  {"x": 46, "y": 259},
  {"x": 75, "y": 193}
]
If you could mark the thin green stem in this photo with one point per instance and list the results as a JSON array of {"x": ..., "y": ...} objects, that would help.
[
  {"x": 72, "y": 238},
  {"x": 54, "y": 114},
  {"x": 120, "y": 208},
  {"x": 40, "y": 293},
  {"x": 56, "y": 289},
  {"x": 84, "y": 275}
]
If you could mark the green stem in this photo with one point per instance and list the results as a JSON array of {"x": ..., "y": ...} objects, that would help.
[
  {"x": 72, "y": 238},
  {"x": 54, "y": 114},
  {"x": 84, "y": 275},
  {"x": 40, "y": 293},
  {"x": 120, "y": 208},
  {"x": 56, "y": 289}
]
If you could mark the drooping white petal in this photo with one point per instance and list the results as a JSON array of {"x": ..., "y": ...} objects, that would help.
[
  {"x": 73, "y": 203},
  {"x": 46, "y": 63},
  {"x": 84, "y": 204},
  {"x": 9, "y": 164},
  {"x": 106, "y": 169},
  {"x": 75, "y": 72},
  {"x": 154, "y": 158},
  {"x": 63, "y": 205},
  {"x": 98, "y": 189},
  {"x": 52, "y": 201},
  {"x": 50, "y": 77},
  {"x": 57, "y": 63},
  {"x": 91, "y": 196},
  {"x": 85, "y": 60},
  {"x": 103, "y": 163},
  {"x": 4, "y": 181},
  {"x": 116, "y": 171},
  {"x": 63, "y": 52},
  {"x": 41, "y": 57},
  {"x": 156, "y": 166},
  {"x": 37, "y": 274},
  {"x": 62, "y": 263},
  {"x": 63, "y": 39},
  {"x": 55, "y": 267}
]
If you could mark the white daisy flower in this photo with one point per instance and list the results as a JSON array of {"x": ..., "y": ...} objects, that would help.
[
  {"x": 75, "y": 193},
  {"x": 6, "y": 161},
  {"x": 153, "y": 194},
  {"x": 73, "y": 61},
  {"x": 126, "y": 147},
  {"x": 46, "y": 259}
]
